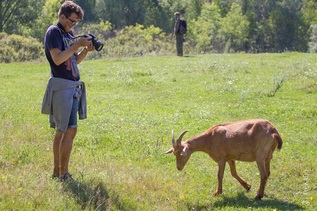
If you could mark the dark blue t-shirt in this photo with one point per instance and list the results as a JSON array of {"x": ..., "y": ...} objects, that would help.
[{"x": 56, "y": 37}]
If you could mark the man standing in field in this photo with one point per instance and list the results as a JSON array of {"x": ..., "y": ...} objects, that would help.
[
  {"x": 178, "y": 35},
  {"x": 65, "y": 94}
]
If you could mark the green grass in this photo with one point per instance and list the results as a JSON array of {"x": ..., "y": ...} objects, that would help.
[{"x": 133, "y": 105}]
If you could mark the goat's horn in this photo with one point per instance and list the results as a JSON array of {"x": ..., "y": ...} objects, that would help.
[
  {"x": 179, "y": 140},
  {"x": 173, "y": 140}
]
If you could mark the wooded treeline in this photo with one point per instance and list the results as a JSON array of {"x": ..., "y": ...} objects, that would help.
[{"x": 213, "y": 25}]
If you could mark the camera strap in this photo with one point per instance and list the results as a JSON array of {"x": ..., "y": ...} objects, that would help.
[{"x": 68, "y": 39}]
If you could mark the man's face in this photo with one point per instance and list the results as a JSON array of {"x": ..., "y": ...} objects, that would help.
[{"x": 69, "y": 22}]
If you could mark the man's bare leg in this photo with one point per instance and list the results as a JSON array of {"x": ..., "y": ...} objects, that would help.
[{"x": 62, "y": 147}]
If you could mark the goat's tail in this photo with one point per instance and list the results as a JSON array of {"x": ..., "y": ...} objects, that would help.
[{"x": 278, "y": 138}]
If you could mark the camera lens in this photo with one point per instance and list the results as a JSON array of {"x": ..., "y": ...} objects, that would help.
[{"x": 98, "y": 45}]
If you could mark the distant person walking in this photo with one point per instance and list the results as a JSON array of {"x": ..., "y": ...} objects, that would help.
[
  {"x": 178, "y": 35},
  {"x": 65, "y": 94}
]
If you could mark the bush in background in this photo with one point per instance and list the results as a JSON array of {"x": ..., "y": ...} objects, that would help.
[
  {"x": 16, "y": 48},
  {"x": 131, "y": 41},
  {"x": 138, "y": 41}
]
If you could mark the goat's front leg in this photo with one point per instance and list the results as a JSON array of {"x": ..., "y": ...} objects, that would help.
[
  {"x": 221, "y": 170},
  {"x": 234, "y": 173}
]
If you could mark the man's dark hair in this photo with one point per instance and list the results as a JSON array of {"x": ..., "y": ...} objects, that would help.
[{"x": 69, "y": 7}]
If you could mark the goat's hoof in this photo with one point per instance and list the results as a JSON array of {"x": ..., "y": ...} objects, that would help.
[
  {"x": 248, "y": 188},
  {"x": 258, "y": 197},
  {"x": 216, "y": 193}
]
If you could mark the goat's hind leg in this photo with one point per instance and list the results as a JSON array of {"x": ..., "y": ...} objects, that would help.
[
  {"x": 268, "y": 162},
  {"x": 234, "y": 173},
  {"x": 264, "y": 176}
]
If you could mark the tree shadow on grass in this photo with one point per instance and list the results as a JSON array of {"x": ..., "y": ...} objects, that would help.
[
  {"x": 93, "y": 197},
  {"x": 241, "y": 201}
]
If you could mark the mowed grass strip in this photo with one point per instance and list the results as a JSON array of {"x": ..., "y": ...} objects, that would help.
[{"x": 133, "y": 105}]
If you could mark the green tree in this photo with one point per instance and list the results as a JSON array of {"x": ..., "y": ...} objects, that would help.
[
  {"x": 275, "y": 25},
  {"x": 8, "y": 10},
  {"x": 309, "y": 10},
  {"x": 193, "y": 9},
  {"x": 89, "y": 9},
  {"x": 47, "y": 17},
  {"x": 288, "y": 27},
  {"x": 213, "y": 25},
  {"x": 157, "y": 16},
  {"x": 204, "y": 30},
  {"x": 224, "y": 6},
  {"x": 33, "y": 19},
  {"x": 123, "y": 13},
  {"x": 234, "y": 29},
  {"x": 44, "y": 13},
  {"x": 313, "y": 39}
]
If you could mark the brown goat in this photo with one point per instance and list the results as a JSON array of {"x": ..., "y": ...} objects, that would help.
[{"x": 247, "y": 140}]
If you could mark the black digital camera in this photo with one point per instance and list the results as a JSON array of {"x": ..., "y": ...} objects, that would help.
[{"x": 97, "y": 44}]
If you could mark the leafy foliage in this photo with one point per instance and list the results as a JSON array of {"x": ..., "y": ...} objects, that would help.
[
  {"x": 15, "y": 48},
  {"x": 146, "y": 40},
  {"x": 8, "y": 9},
  {"x": 313, "y": 39},
  {"x": 213, "y": 26},
  {"x": 48, "y": 16},
  {"x": 234, "y": 29},
  {"x": 205, "y": 30}
]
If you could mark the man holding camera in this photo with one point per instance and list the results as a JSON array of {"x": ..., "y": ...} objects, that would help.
[{"x": 65, "y": 93}]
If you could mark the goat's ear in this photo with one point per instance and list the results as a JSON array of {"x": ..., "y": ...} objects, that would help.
[
  {"x": 184, "y": 152},
  {"x": 169, "y": 151}
]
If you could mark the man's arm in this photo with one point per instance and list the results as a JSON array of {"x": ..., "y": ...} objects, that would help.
[
  {"x": 82, "y": 54},
  {"x": 177, "y": 26},
  {"x": 60, "y": 57}
]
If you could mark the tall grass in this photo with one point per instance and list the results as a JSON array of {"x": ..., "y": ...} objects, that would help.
[{"x": 133, "y": 104}]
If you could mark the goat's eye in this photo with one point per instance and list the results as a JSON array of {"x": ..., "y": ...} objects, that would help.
[{"x": 176, "y": 152}]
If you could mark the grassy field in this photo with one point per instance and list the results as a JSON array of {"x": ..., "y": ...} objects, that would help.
[{"x": 133, "y": 105}]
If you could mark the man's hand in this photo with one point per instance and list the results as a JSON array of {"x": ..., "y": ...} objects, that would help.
[
  {"x": 90, "y": 47},
  {"x": 84, "y": 41},
  {"x": 59, "y": 56}
]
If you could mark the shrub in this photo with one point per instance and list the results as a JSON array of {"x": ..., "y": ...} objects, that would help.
[
  {"x": 16, "y": 48},
  {"x": 145, "y": 40},
  {"x": 128, "y": 42}
]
